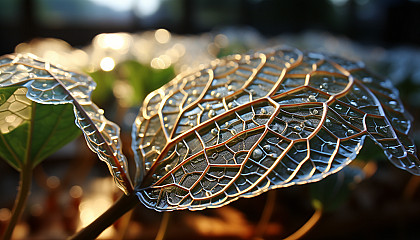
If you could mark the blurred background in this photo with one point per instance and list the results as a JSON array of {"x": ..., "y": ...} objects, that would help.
[{"x": 131, "y": 47}]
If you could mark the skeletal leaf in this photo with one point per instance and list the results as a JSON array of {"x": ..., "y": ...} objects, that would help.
[
  {"x": 250, "y": 123},
  {"x": 48, "y": 84}
]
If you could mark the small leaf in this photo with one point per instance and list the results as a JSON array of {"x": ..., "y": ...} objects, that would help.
[
  {"x": 30, "y": 132},
  {"x": 246, "y": 124},
  {"x": 49, "y": 84}
]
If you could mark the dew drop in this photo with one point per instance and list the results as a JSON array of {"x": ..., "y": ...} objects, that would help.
[
  {"x": 166, "y": 125},
  {"x": 308, "y": 123},
  {"x": 410, "y": 150},
  {"x": 101, "y": 111},
  {"x": 367, "y": 80},
  {"x": 191, "y": 117},
  {"x": 267, "y": 148},
  {"x": 393, "y": 149},
  {"x": 383, "y": 129},
  {"x": 393, "y": 104},
  {"x": 218, "y": 95},
  {"x": 148, "y": 165},
  {"x": 155, "y": 176},
  {"x": 191, "y": 124},
  {"x": 213, "y": 93},
  {"x": 297, "y": 128},
  {"x": 312, "y": 98},
  {"x": 364, "y": 97},
  {"x": 189, "y": 100},
  {"x": 208, "y": 194},
  {"x": 10, "y": 118},
  {"x": 351, "y": 131},
  {"x": 208, "y": 106},
  {"x": 165, "y": 119},
  {"x": 230, "y": 88},
  {"x": 273, "y": 155},
  {"x": 194, "y": 92},
  {"x": 231, "y": 105},
  {"x": 168, "y": 167},
  {"x": 257, "y": 153},
  {"x": 263, "y": 111},
  {"x": 313, "y": 111},
  {"x": 324, "y": 86},
  {"x": 170, "y": 102},
  {"x": 212, "y": 113},
  {"x": 353, "y": 103},
  {"x": 338, "y": 107},
  {"x": 44, "y": 85},
  {"x": 214, "y": 131},
  {"x": 290, "y": 169},
  {"x": 356, "y": 89},
  {"x": 330, "y": 145}
]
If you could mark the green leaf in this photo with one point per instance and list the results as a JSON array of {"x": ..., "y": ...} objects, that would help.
[
  {"x": 144, "y": 79},
  {"x": 46, "y": 128},
  {"x": 104, "y": 85},
  {"x": 46, "y": 84}
]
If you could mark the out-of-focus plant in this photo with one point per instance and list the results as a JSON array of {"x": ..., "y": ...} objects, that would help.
[{"x": 236, "y": 128}]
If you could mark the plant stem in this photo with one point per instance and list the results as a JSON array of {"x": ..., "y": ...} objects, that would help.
[
  {"x": 120, "y": 207},
  {"x": 307, "y": 226},
  {"x": 163, "y": 226},
  {"x": 266, "y": 215},
  {"x": 20, "y": 202}
]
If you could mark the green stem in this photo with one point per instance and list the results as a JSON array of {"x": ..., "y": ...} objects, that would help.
[
  {"x": 20, "y": 202},
  {"x": 120, "y": 207}
]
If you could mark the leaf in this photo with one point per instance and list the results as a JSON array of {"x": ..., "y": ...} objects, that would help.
[
  {"x": 247, "y": 124},
  {"x": 30, "y": 132},
  {"x": 49, "y": 84}
]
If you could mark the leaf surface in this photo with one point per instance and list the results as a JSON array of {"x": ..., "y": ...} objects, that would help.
[
  {"x": 45, "y": 83},
  {"x": 250, "y": 123}
]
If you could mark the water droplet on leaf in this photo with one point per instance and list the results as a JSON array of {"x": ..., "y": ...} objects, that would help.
[
  {"x": 312, "y": 98},
  {"x": 257, "y": 153}
]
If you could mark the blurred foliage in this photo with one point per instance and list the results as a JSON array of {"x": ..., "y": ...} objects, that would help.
[
  {"x": 135, "y": 81},
  {"x": 330, "y": 193}
]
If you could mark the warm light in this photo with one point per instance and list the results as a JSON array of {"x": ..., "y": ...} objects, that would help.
[
  {"x": 5, "y": 215},
  {"x": 180, "y": 49},
  {"x": 221, "y": 41},
  {"x": 95, "y": 203},
  {"x": 14, "y": 110},
  {"x": 53, "y": 182},
  {"x": 76, "y": 192},
  {"x": 162, "y": 36},
  {"x": 107, "y": 64},
  {"x": 115, "y": 41}
]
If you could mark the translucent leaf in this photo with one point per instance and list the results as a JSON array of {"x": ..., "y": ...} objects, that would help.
[
  {"x": 49, "y": 84},
  {"x": 250, "y": 123},
  {"x": 30, "y": 131}
]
